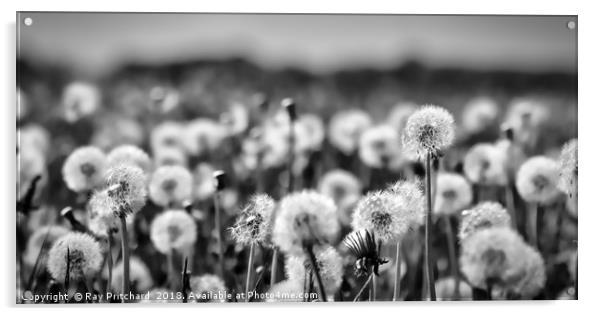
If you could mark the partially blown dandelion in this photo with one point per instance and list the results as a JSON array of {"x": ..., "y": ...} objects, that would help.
[
  {"x": 126, "y": 186},
  {"x": 252, "y": 226}
]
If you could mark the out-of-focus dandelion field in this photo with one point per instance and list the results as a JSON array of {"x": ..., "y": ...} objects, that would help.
[{"x": 200, "y": 182}]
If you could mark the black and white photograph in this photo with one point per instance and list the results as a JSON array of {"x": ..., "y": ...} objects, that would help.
[{"x": 286, "y": 158}]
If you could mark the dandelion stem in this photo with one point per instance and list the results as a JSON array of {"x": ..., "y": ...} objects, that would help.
[
  {"x": 374, "y": 286},
  {"x": 314, "y": 265},
  {"x": 509, "y": 192},
  {"x": 427, "y": 238},
  {"x": 218, "y": 223},
  {"x": 170, "y": 269},
  {"x": 534, "y": 209},
  {"x": 357, "y": 296},
  {"x": 110, "y": 261},
  {"x": 249, "y": 271},
  {"x": 453, "y": 261},
  {"x": 274, "y": 268},
  {"x": 397, "y": 271},
  {"x": 126, "y": 255}
]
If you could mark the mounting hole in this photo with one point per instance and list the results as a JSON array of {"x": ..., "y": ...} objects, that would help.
[
  {"x": 571, "y": 25},
  {"x": 28, "y": 21}
]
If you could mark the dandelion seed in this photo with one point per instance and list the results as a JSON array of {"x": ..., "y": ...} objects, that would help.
[
  {"x": 84, "y": 258},
  {"x": 330, "y": 265},
  {"x": 379, "y": 146},
  {"x": 252, "y": 226},
  {"x": 126, "y": 186},
  {"x": 479, "y": 114},
  {"x": 36, "y": 241},
  {"x": 80, "y": 99},
  {"x": 208, "y": 285},
  {"x": 537, "y": 179},
  {"x": 484, "y": 164},
  {"x": 140, "y": 275},
  {"x": 203, "y": 136},
  {"x": 345, "y": 129},
  {"x": 567, "y": 181},
  {"x": 173, "y": 230},
  {"x": 428, "y": 131},
  {"x": 483, "y": 215},
  {"x": 454, "y": 193},
  {"x": 170, "y": 185},
  {"x": 84, "y": 169},
  {"x": 129, "y": 154},
  {"x": 305, "y": 217}
]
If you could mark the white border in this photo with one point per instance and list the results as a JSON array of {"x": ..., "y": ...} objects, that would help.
[{"x": 590, "y": 265}]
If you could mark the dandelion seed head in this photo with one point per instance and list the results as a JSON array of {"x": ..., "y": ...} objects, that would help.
[
  {"x": 345, "y": 129},
  {"x": 330, "y": 264},
  {"x": 204, "y": 187},
  {"x": 130, "y": 154},
  {"x": 340, "y": 185},
  {"x": 429, "y": 130},
  {"x": 166, "y": 134},
  {"x": 253, "y": 224},
  {"x": 483, "y": 215},
  {"x": 173, "y": 230},
  {"x": 80, "y": 99},
  {"x": 485, "y": 164},
  {"x": 479, "y": 114},
  {"x": 101, "y": 214},
  {"x": 84, "y": 169},
  {"x": 304, "y": 217},
  {"x": 170, "y": 186},
  {"x": 567, "y": 181},
  {"x": 207, "y": 284},
  {"x": 285, "y": 291},
  {"x": 533, "y": 276},
  {"x": 203, "y": 136},
  {"x": 379, "y": 146},
  {"x": 537, "y": 180},
  {"x": 310, "y": 133},
  {"x": 140, "y": 275},
  {"x": 454, "y": 193},
  {"x": 36, "y": 241},
  {"x": 126, "y": 186},
  {"x": 84, "y": 257},
  {"x": 410, "y": 197}
]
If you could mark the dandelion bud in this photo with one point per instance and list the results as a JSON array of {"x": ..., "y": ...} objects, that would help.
[
  {"x": 84, "y": 169},
  {"x": 537, "y": 180},
  {"x": 429, "y": 131},
  {"x": 304, "y": 218},
  {"x": 290, "y": 106},
  {"x": 173, "y": 230},
  {"x": 453, "y": 194},
  {"x": 208, "y": 285},
  {"x": 484, "y": 215},
  {"x": 84, "y": 257},
  {"x": 129, "y": 154},
  {"x": 330, "y": 265},
  {"x": 252, "y": 226},
  {"x": 567, "y": 181},
  {"x": 170, "y": 185},
  {"x": 219, "y": 177},
  {"x": 346, "y": 128}
]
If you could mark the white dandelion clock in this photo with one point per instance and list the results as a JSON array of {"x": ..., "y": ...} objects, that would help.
[
  {"x": 130, "y": 154},
  {"x": 170, "y": 186},
  {"x": 84, "y": 169},
  {"x": 483, "y": 215},
  {"x": 312, "y": 129},
  {"x": 479, "y": 114},
  {"x": 330, "y": 265},
  {"x": 429, "y": 131},
  {"x": 410, "y": 197},
  {"x": 34, "y": 136},
  {"x": 166, "y": 134},
  {"x": 101, "y": 214},
  {"x": 140, "y": 276},
  {"x": 173, "y": 230},
  {"x": 345, "y": 129},
  {"x": 208, "y": 288},
  {"x": 253, "y": 224},
  {"x": 204, "y": 187},
  {"x": 454, "y": 193},
  {"x": 304, "y": 218},
  {"x": 485, "y": 164},
  {"x": 341, "y": 186},
  {"x": 126, "y": 186},
  {"x": 533, "y": 277},
  {"x": 203, "y": 136},
  {"x": 77, "y": 252},
  {"x": 379, "y": 146},
  {"x": 567, "y": 181},
  {"x": 80, "y": 99},
  {"x": 537, "y": 180}
]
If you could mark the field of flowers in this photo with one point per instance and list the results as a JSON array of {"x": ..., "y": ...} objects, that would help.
[{"x": 222, "y": 182}]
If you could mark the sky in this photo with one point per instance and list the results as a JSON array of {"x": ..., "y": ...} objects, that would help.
[{"x": 93, "y": 44}]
